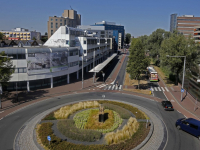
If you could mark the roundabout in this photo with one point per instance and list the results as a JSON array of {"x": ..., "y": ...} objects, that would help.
[{"x": 164, "y": 135}]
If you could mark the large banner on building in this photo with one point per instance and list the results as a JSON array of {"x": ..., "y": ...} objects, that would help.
[
  {"x": 59, "y": 61},
  {"x": 40, "y": 63}
]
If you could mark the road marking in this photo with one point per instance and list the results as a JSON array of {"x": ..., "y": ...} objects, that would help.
[
  {"x": 1, "y": 118},
  {"x": 109, "y": 87},
  {"x": 172, "y": 100},
  {"x": 116, "y": 87},
  {"x": 1, "y": 111},
  {"x": 93, "y": 89},
  {"x": 102, "y": 85},
  {"x": 179, "y": 111},
  {"x": 155, "y": 89},
  {"x": 120, "y": 87},
  {"x": 167, "y": 89},
  {"x": 162, "y": 88},
  {"x": 152, "y": 88},
  {"x": 185, "y": 116},
  {"x": 113, "y": 87},
  {"x": 159, "y": 89}
]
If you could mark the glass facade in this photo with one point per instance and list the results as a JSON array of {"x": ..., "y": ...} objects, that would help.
[{"x": 173, "y": 22}]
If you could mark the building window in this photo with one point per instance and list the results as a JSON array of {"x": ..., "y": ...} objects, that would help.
[
  {"x": 60, "y": 19},
  {"x": 51, "y": 19},
  {"x": 85, "y": 51},
  {"x": 67, "y": 42},
  {"x": 60, "y": 24},
  {"x": 65, "y": 22},
  {"x": 56, "y": 19},
  {"x": 51, "y": 24},
  {"x": 51, "y": 32},
  {"x": 56, "y": 25},
  {"x": 85, "y": 42}
]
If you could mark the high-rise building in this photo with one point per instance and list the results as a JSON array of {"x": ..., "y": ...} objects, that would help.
[
  {"x": 173, "y": 22},
  {"x": 184, "y": 24},
  {"x": 69, "y": 18}
]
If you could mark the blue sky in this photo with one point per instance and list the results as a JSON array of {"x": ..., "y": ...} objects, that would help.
[{"x": 139, "y": 17}]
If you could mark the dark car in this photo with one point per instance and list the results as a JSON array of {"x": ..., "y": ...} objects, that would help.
[
  {"x": 189, "y": 125},
  {"x": 167, "y": 105}
]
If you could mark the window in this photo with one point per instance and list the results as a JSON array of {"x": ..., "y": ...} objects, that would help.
[
  {"x": 51, "y": 24},
  {"x": 194, "y": 126},
  {"x": 21, "y": 56},
  {"x": 51, "y": 19},
  {"x": 60, "y": 24},
  {"x": 84, "y": 42},
  {"x": 60, "y": 19},
  {"x": 65, "y": 22},
  {"x": 56, "y": 25},
  {"x": 51, "y": 32},
  {"x": 85, "y": 51},
  {"x": 72, "y": 64},
  {"x": 21, "y": 70},
  {"x": 56, "y": 19},
  {"x": 67, "y": 42}
]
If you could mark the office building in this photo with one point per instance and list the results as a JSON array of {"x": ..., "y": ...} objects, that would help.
[
  {"x": 69, "y": 18},
  {"x": 197, "y": 34},
  {"x": 59, "y": 60},
  {"x": 21, "y": 34},
  {"x": 184, "y": 24}
]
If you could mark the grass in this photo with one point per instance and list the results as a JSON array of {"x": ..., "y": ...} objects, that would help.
[
  {"x": 121, "y": 135},
  {"x": 49, "y": 117},
  {"x": 138, "y": 114},
  {"x": 93, "y": 120},
  {"x": 64, "y": 112},
  {"x": 124, "y": 114},
  {"x": 68, "y": 128},
  {"x": 130, "y": 82},
  {"x": 147, "y": 92},
  {"x": 81, "y": 118}
]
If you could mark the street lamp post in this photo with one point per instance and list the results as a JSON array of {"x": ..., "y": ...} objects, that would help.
[
  {"x": 94, "y": 67},
  {"x": 82, "y": 70},
  {"x": 183, "y": 74}
]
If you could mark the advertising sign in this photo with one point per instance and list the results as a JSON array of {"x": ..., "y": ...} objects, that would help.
[
  {"x": 38, "y": 63},
  {"x": 59, "y": 61}
]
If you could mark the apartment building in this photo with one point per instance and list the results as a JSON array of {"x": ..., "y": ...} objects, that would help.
[
  {"x": 69, "y": 18},
  {"x": 21, "y": 34},
  {"x": 184, "y": 24},
  {"x": 197, "y": 34}
]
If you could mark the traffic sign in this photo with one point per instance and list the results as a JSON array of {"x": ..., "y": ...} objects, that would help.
[
  {"x": 182, "y": 90},
  {"x": 48, "y": 138}
]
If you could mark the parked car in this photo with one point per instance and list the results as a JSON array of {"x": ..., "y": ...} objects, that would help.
[
  {"x": 167, "y": 105},
  {"x": 189, "y": 125}
]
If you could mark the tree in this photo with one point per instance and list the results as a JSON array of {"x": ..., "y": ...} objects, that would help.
[
  {"x": 2, "y": 36},
  {"x": 44, "y": 39},
  {"x": 155, "y": 40},
  {"x": 137, "y": 62},
  {"x": 178, "y": 45},
  {"x": 128, "y": 38},
  {"x": 144, "y": 40},
  {"x": 34, "y": 38},
  {"x": 6, "y": 68}
]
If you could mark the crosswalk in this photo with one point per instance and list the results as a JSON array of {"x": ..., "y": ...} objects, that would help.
[
  {"x": 159, "y": 89},
  {"x": 110, "y": 87}
]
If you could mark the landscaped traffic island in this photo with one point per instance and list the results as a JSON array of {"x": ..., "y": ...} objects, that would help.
[{"x": 93, "y": 125}]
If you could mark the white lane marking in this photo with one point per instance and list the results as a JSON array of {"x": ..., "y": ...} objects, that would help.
[
  {"x": 167, "y": 89},
  {"x": 120, "y": 87},
  {"x": 172, "y": 100},
  {"x": 1, "y": 111},
  {"x": 165, "y": 96},
  {"x": 162, "y": 88},
  {"x": 93, "y": 89},
  {"x": 1, "y": 118},
  {"x": 116, "y": 87},
  {"x": 113, "y": 87},
  {"x": 109, "y": 87},
  {"x": 155, "y": 89},
  {"x": 185, "y": 116},
  {"x": 102, "y": 85},
  {"x": 159, "y": 89},
  {"x": 152, "y": 89},
  {"x": 179, "y": 111}
]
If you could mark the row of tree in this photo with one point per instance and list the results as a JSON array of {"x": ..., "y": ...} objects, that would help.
[{"x": 160, "y": 44}]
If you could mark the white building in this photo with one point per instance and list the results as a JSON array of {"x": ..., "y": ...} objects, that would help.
[{"x": 60, "y": 59}]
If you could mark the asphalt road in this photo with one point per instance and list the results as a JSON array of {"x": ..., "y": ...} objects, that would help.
[
  {"x": 158, "y": 94},
  {"x": 177, "y": 140}
]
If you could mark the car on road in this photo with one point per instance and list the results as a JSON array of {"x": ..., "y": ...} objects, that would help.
[
  {"x": 167, "y": 105},
  {"x": 189, "y": 125}
]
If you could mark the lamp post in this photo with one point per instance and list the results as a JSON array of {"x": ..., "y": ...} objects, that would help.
[
  {"x": 1, "y": 90},
  {"x": 183, "y": 73},
  {"x": 94, "y": 67},
  {"x": 82, "y": 70}
]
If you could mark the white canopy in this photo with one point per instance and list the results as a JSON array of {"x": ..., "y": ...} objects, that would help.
[{"x": 100, "y": 66}]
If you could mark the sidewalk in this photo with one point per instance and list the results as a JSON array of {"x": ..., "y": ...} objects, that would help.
[{"x": 189, "y": 106}]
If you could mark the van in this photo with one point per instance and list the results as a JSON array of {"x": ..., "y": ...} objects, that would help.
[{"x": 189, "y": 125}]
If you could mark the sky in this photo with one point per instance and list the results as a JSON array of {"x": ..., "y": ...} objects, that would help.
[{"x": 139, "y": 17}]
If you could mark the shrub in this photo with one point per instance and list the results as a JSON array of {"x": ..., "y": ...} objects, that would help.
[
  {"x": 81, "y": 118},
  {"x": 125, "y": 114},
  {"x": 68, "y": 128},
  {"x": 49, "y": 117},
  {"x": 128, "y": 130},
  {"x": 138, "y": 114},
  {"x": 65, "y": 111}
]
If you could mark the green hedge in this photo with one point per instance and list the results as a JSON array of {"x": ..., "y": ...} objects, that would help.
[
  {"x": 57, "y": 144},
  {"x": 138, "y": 114},
  {"x": 69, "y": 129},
  {"x": 124, "y": 114}
]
